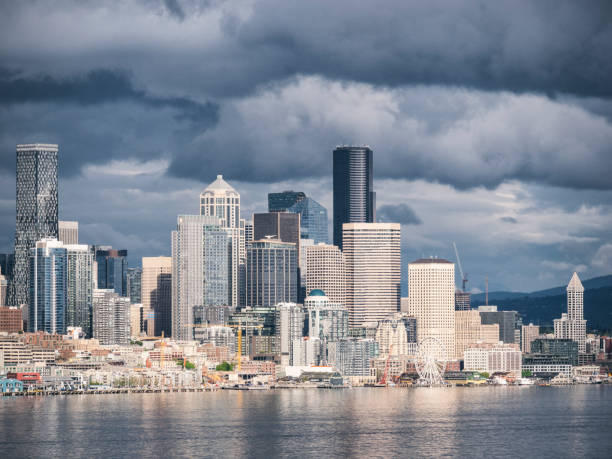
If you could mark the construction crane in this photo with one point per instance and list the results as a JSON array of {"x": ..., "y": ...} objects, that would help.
[
  {"x": 383, "y": 380},
  {"x": 464, "y": 278}
]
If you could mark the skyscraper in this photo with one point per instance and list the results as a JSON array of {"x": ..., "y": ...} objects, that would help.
[
  {"x": 289, "y": 327},
  {"x": 326, "y": 271},
  {"x": 79, "y": 289},
  {"x": 431, "y": 299},
  {"x": 572, "y": 325},
  {"x": 37, "y": 210},
  {"x": 354, "y": 197},
  {"x": 133, "y": 279},
  {"x": 280, "y": 202},
  {"x": 7, "y": 264},
  {"x": 271, "y": 273},
  {"x": 200, "y": 274},
  {"x": 313, "y": 216},
  {"x": 220, "y": 200},
  {"x": 283, "y": 226},
  {"x": 111, "y": 317},
  {"x": 112, "y": 269},
  {"x": 68, "y": 232},
  {"x": 48, "y": 287},
  {"x": 157, "y": 291},
  {"x": 373, "y": 271}
]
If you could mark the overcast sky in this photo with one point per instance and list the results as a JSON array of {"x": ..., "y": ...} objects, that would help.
[{"x": 491, "y": 122}]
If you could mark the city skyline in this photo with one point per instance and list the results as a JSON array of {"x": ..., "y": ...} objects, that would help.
[{"x": 461, "y": 155}]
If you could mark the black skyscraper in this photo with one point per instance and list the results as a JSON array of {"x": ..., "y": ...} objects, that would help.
[{"x": 354, "y": 197}]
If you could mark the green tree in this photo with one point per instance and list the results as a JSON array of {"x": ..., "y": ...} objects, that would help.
[
  {"x": 484, "y": 375},
  {"x": 224, "y": 366},
  {"x": 526, "y": 373}
]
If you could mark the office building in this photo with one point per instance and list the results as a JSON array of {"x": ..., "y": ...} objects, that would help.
[
  {"x": 48, "y": 287},
  {"x": 37, "y": 212},
  {"x": 528, "y": 334},
  {"x": 248, "y": 232},
  {"x": 353, "y": 188},
  {"x": 136, "y": 325},
  {"x": 397, "y": 335},
  {"x": 563, "y": 348},
  {"x": 506, "y": 320},
  {"x": 134, "y": 285},
  {"x": 111, "y": 317},
  {"x": 7, "y": 264},
  {"x": 462, "y": 300},
  {"x": 157, "y": 292},
  {"x": 258, "y": 327},
  {"x": 572, "y": 325},
  {"x": 280, "y": 202},
  {"x": 10, "y": 319},
  {"x": 373, "y": 271},
  {"x": 271, "y": 273},
  {"x": 431, "y": 299},
  {"x": 493, "y": 358},
  {"x": 289, "y": 327},
  {"x": 201, "y": 254},
  {"x": 212, "y": 315},
  {"x": 68, "y": 232},
  {"x": 218, "y": 335},
  {"x": 112, "y": 268},
  {"x": 283, "y": 226},
  {"x": 352, "y": 357},
  {"x": 306, "y": 351},
  {"x": 79, "y": 289},
  {"x": 326, "y": 322},
  {"x": 326, "y": 271},
  {"x": 222, "y": 201}
]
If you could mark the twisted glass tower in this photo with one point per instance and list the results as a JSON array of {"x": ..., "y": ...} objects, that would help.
[
  {"x": 36, "y": 210},
  {"x": 354, "y": 197}
]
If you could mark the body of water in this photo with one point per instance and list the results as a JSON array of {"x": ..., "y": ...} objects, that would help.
[{"x": 569, "y": 421}]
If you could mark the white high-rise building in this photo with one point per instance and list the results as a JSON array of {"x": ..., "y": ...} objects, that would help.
[
  {"x": 431, "y": 299},
  {"x": 572, "y": 325},
  {"x": 326, "y": 271},
  {"x": 79, "y": 276},
  {"x": 68, "y": 232},
  {"x": 220, "y": 200},
  {"x": 111, "y": 317},
  {"x": 199, "y": 270},
  {"x": 289, "y": 327},
  {"x": 373, "y": 270}
]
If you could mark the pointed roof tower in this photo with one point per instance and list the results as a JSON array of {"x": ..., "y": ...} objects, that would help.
[
  {"x": 219, "y": 185},
  {"x": 574, "y": 284}
]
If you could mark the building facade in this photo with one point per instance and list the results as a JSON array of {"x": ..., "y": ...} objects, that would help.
[
  {"x": 462, "y": 300},
  {"x": 222, "y": 201},
  {"x": 353, "y": 188},
  {"x": 373, "y": 271},
  {"x": 79, "y": 275},
  {"x": 111, "y": 317},
  {"x": 156, "y": 292},
  {"x": 68, "y": 232},
  {"x": 48, "y": 287},
  {"x": 572, "y": 325},
  {"x": 134, "y": 285},
  {"x": 528, "y": 334},
  {"x": 493, "y": 358},
  {"x": 37, "y": 211},
  {"x": 112, "y": 266},
  {"x": 271, "y": 273},
  {"x": 352, "y": 357},
  {"x": 290, "y": 319},
  {"x": 326, "y": 271},
  {"x": 505, "y": 319},
  {"x": 431, "y": 299},
  {"x": 280, "y": 202},
  {"x": 397, "y": 335},
  {"x": 200, "y": 273}
]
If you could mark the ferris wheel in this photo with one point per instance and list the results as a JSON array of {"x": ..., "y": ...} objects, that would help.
[{"x": 430, "y": 362}]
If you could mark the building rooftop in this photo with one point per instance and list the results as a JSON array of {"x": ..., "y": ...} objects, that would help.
[
  {"x": 430, "y": 260},
  {"x": 575, "y": 284},
  {"x": 317, "y": 292},
  {"x": 219, "y": 185}
]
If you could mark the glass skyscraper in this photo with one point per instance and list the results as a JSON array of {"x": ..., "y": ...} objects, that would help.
[
  {"x": 134, "y": 285},
  {"x": 48, "y": 287},
  {"x": 271, "y": 273},
  {"x": 36, "y": 210},
  {"x": 79, "y": 281},
  {"x": 280, "y": 202},
  {"x": 313, "y": 216},
  {"x": 112, "y": 270},
  {"x": 354, "y": 196}
]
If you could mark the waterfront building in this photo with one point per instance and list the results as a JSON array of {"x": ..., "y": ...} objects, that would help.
[
  {"x": 111, "y": 317},
  {"x": 37, "y": 212},
  {"x": 112, "y": 268},
  {"x": 493, "y": 358},
  {"x": 306, "y": 351},
  {"x": 326, "y": 271},
  {"x": 289, "y": 327},
  {"x": 48, "y": 287},
  {"x": 462, "y": 300},
  {"x": 222, "y": 201},
  {"x": 431, "y": 287},
  {"x": 528, "y": 334},
  {"x": 397, "y": 335},
  {"x": 134, "y": 284},
  {"x": 352, "y": 357},
  {"x": 505, "y": 319},
  {"x": 156, "y": 292},
  {"x": 572, "y": 325},
  {"x": 548, "y": 368},
  {"x": 556, "y": 347},
  {"x": 79, "y": 288},
  {"x": 271, "y": 273},
  {"x": 353, "y": 188},
  {"x": 200, "y": 274},
  {"x": 10, "y": 319},
  {"x": 326, "y": 322},
  {"x": 68, "y": 232},
  {"x": 373, "y": 270}
]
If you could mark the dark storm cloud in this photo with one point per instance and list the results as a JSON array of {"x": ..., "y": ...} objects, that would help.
[
  {"x": 174, "y": 8},
  {"x": 399, "y": 213},
  {"x": 509, "y": 220},
  {"x": 96, "y": 87}
]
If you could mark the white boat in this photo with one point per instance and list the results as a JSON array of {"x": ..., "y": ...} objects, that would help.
[{"x": 525, "y": 382}]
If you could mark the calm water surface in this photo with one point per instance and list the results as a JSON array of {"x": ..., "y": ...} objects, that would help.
[{"x": 468, "y": 422}]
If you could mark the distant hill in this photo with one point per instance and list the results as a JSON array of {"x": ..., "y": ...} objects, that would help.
[{"x": 543, "y": 306}]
